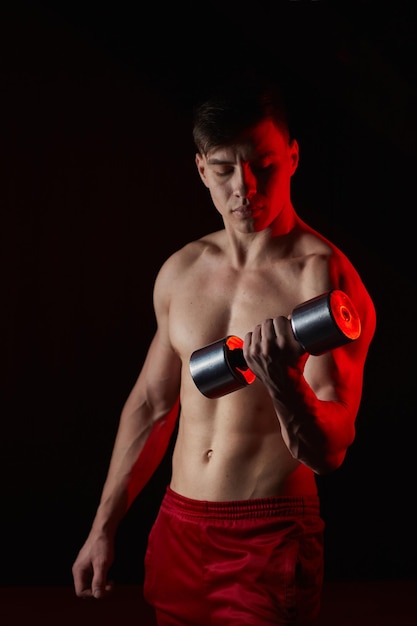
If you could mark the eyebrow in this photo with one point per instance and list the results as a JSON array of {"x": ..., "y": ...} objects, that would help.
[
  {"x": 217, "y": 161},
  {"x": 214, "y": 161}
]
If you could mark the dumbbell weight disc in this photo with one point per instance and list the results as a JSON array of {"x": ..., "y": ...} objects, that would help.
[
  {"x": 220, "y": 368},
  {"x": 325, "y": 322}
]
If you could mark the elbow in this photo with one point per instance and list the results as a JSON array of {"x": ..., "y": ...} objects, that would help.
[
  {"x": 322, "y": 450},
  {"x": 334, "y": 450},
  {"x": 329, "y": 463}
]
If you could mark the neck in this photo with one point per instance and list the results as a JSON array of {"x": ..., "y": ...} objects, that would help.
[{"x": 252, "y": 248}]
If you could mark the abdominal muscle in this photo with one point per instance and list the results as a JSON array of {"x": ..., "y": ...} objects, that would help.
[{"x": 232, "y": 449}]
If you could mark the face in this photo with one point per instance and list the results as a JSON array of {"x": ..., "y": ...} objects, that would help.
[{"x": 249, "y": 180}]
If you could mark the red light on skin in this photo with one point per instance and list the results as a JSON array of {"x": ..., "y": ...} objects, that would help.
[
  {"x": 345, "y": 315},
  {"x": 236, "y": 343}
]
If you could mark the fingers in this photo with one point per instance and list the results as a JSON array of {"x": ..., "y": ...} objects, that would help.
[
  {"x": 98, "y": 588},
  {"x": 90, "y": 580},
  {"x": 82, "y": 584},
  {"x": 276, "y": 330},
  {"x": 272, "y": 339},
  {"x": 101, "y": 588}
]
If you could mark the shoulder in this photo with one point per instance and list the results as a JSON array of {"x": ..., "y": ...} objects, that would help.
[
  {"x": 191, "y": 253},
  {"x": 323, "y": 259},
  {"x": 316, "y": 249},
  {"x": 188, "y": 260}
]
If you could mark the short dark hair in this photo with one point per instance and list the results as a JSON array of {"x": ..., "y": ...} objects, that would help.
[{"x": 224, "y": 115}]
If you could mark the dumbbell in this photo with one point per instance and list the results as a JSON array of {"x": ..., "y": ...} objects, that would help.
[{"x": 323, "y": 323}]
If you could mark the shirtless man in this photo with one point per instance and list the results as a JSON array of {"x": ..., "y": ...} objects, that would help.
[{"x": 239, "y": 537}]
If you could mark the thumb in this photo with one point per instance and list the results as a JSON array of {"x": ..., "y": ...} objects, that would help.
[{"x": 100, "y": 586}]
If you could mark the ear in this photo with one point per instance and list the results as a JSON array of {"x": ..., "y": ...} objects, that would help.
[
  {"x": 294, "y": 155},
  {"x": 201, "y": 167}
]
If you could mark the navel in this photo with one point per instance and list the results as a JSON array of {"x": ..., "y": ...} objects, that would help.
[{"x": 209, "y": 454}]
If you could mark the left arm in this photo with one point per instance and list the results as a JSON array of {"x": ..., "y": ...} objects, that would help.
[{"x": 316, "y": 398}]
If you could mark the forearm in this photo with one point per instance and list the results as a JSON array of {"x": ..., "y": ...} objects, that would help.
[
  {"x": 134, "y": 460},
  {"x": 316, "y": 432}
]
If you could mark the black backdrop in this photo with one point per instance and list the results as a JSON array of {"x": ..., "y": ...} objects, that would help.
[{"x": 99, "y": 187}]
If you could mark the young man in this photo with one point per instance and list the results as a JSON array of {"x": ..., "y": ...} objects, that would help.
[{"x": 239, "y": 537}]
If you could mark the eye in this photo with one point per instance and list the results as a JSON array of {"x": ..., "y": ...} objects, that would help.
[
  {"x": 262, "y": 167},
  {"x": 223, "y": 171}
]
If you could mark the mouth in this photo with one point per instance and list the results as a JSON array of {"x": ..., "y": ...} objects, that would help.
[{"x": 246, "y": 211}]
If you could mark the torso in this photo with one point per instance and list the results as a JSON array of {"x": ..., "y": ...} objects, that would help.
[{"x": 230, "y": 448}]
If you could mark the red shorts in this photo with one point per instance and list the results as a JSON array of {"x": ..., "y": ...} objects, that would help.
[{"x": 234, "y": 563}]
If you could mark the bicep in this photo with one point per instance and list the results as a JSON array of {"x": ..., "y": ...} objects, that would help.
[
  {"x": 337, "y": 376},
  {"x": 158, "y": 383}
]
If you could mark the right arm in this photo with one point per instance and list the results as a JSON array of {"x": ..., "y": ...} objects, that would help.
[{"x": 146, "y": 424}]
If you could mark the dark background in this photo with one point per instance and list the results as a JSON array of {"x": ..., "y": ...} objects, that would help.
[{"x": 99, "y": 187}]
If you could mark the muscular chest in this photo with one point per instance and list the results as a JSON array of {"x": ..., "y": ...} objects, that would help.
[{"x": 209, "y": 306}]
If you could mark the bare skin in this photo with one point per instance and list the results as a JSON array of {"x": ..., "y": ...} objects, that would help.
[{"x": 298, "y": 418}]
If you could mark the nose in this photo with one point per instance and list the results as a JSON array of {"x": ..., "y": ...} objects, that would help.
[{"x": 245, "y": 187}]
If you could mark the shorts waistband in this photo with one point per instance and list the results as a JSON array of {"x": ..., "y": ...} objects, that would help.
[{"x": 275, "y": 506}]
